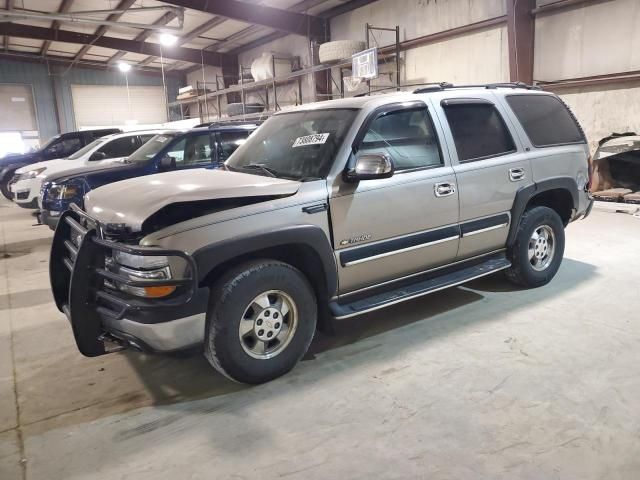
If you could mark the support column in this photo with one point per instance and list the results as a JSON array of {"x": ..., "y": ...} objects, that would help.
[{"x": 521, "y": 30}]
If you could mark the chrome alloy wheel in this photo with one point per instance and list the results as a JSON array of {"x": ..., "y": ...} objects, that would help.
[
  {"x": 542, "y": 245},
  {"x": 268, "y": 324}
]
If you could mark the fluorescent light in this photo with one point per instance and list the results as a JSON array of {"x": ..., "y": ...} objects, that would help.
[
  {"x": 124, "y": 67},
  {"x": 167, "y": 40}
]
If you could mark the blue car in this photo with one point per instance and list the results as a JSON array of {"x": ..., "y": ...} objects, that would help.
[
  {"x": 170, "y": 150},
  {"x": 60, "y": 146}
]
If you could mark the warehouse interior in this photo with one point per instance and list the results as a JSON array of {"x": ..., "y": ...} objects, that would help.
[{"x": 485, "y": 379}]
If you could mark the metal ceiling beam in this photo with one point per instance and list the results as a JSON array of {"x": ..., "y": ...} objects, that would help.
[
  {"x": 277, "y": 18},
  {"x": 298, "y": 7},
  {"x": 8, "y": 6},
  {"x": 64, "y": 7},
  {"x": 144, "y": 35},
  {"x": 57, "y": 60},
  {"x": 123, "y": 5},
  {"x": 345, "y": 8},
  {"x": 205, "y": 27},
  {"x": 175, "y": 53}
]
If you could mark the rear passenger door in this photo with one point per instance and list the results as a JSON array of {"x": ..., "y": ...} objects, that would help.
[{"x": 490, "y": 166}]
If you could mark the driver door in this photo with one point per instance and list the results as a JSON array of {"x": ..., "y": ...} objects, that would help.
[{"x": 388, "y": 228}]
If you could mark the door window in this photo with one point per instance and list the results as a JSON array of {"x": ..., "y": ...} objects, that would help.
[
  {"x": 64, "y": 147},
  {"x": 407, "y": 136},
  {"x": 197, "y": 150},
  {"x": 229, "y": 142},
  {"x": 120, "y": 147},
  {"x": 478, "y": 131}
]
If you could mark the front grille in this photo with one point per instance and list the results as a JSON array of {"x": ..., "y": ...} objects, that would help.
[
  {"x": 22, "y": 195},
  {"x": 81, "y": 249}
]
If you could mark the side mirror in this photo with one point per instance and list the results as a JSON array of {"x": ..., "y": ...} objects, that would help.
[
  {"x": 167, "y": 163},
  {"x": 98, "y": 156},
  {"x": 370, "y": 166},
  {"x": 53, "y": 151}
]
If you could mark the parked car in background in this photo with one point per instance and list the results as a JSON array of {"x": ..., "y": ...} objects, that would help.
[
  {"x": 170, "y": 150},
  {"x": 334, "y": 209},
  {"x": 60, "y": 146},
  {"x": 103, "y": 153}
]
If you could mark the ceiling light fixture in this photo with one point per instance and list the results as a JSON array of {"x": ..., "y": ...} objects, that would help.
[
  {"x": 167, "y": 40},
  {"x": 124, "y": 67}
]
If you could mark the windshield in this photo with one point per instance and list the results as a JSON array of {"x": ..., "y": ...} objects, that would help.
[
  {"x": 151, "y": 148},
  {"x": 296, "y": 145},
  {"x": 85, "y": 149}
]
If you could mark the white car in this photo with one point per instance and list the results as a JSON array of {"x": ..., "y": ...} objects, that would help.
[{"x": 99, "y": 154}]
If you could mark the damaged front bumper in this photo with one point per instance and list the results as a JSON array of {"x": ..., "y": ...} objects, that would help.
[{"x": 105, "y": 319}]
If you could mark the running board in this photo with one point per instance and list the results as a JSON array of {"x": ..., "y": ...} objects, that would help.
[{"x": 418, "y": 286}]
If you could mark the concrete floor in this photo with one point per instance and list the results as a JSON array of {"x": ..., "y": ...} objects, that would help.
[{"x": 477, "y": 382}]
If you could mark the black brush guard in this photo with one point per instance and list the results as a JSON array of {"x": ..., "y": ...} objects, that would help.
[{"x": 77, "y": 274}]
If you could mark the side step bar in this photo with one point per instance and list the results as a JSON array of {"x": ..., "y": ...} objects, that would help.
[{"x": 418, "y": 286}]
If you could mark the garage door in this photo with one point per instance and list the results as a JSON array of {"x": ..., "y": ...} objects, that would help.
[
  {"x": 18, "y": 115},
  {"x": 101, "y": 105}
]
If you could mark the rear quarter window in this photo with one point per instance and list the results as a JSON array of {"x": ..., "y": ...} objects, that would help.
[{"x": 546, "y": 120}]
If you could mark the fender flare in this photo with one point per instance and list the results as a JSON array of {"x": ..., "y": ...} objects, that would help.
[
  {"x": 311, "y": 236},
  {"x": 525, "y": 194}
]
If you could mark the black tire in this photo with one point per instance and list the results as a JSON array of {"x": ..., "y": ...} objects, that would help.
[
  {"x": 229, "y": 300},
  {"x": 4, "y": 186},
  {"x": 522, "y": 272}
]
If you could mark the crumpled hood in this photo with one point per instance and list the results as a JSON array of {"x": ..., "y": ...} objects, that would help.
[
  {"x": 73, "y": 168},
  {"x": 132, "y": 201}
]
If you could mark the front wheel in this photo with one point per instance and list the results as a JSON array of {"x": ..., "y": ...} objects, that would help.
[
  {"x": 4, "y": 186},
  {"x": 537, "y": 251},
  {"x": 260, "y": 321}
]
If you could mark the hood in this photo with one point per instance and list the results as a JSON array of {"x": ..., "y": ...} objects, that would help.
[
  {"x": 132, "y": 201},
  {"x": 71, "y": 168},
  {"x": 19, "y": 158},
  {"x": 47, "y": 164}
]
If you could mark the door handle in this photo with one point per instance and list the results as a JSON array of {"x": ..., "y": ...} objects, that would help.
[
  {"x": 444, "y": 189},
  {"x": 516, "y": 174}
]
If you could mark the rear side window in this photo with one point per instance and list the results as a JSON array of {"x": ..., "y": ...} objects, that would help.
[
  {"x": 478, "y": 130},
  {"x": 546, "y": 120}
]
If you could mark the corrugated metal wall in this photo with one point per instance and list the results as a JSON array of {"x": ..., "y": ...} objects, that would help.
[
  {"x": 36, "y": 75},
  {"x": 57, "y": 79}
]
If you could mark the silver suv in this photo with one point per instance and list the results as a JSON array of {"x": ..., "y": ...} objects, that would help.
[{"x": 327, "y": 211}]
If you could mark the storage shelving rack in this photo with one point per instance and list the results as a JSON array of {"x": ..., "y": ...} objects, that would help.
[{"x": 340, "y": 67}]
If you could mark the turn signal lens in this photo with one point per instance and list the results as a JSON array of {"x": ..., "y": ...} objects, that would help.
[{"x": 157, "y": 292}]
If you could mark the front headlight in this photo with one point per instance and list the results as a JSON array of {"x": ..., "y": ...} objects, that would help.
[
  {"x": 145, "y": 262},
  {"x": 32, "y": 173},
  {"x": 142, "y": 267},
  {"x": 64, "y": 191}
]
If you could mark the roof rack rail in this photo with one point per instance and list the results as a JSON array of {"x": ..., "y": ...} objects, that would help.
[{"x": 445, "y": 86}]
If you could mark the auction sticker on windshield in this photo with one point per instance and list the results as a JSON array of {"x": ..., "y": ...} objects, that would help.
[{"x": 315, "y": 139}]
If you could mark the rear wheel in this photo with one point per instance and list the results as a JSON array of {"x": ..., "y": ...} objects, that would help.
[
  {"x": 537, "y": 251},
  {"x": 260, "y": 321}
]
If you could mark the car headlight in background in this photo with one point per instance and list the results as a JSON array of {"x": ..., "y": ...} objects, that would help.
[
  {"x": 31, "y": 173},
  {"x": 142, "y": 267},
  {"x": 64, "y": 191}
]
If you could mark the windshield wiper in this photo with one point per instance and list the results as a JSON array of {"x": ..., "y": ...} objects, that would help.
[{"x": 259, "y": 166}]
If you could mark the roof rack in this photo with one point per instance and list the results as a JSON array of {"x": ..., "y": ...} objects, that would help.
[{"x": 445, "y": 86}]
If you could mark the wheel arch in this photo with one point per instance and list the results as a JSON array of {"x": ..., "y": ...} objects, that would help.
[
  {"x": 559, "y": 194},
  {"x": 305, "y": 247}
]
